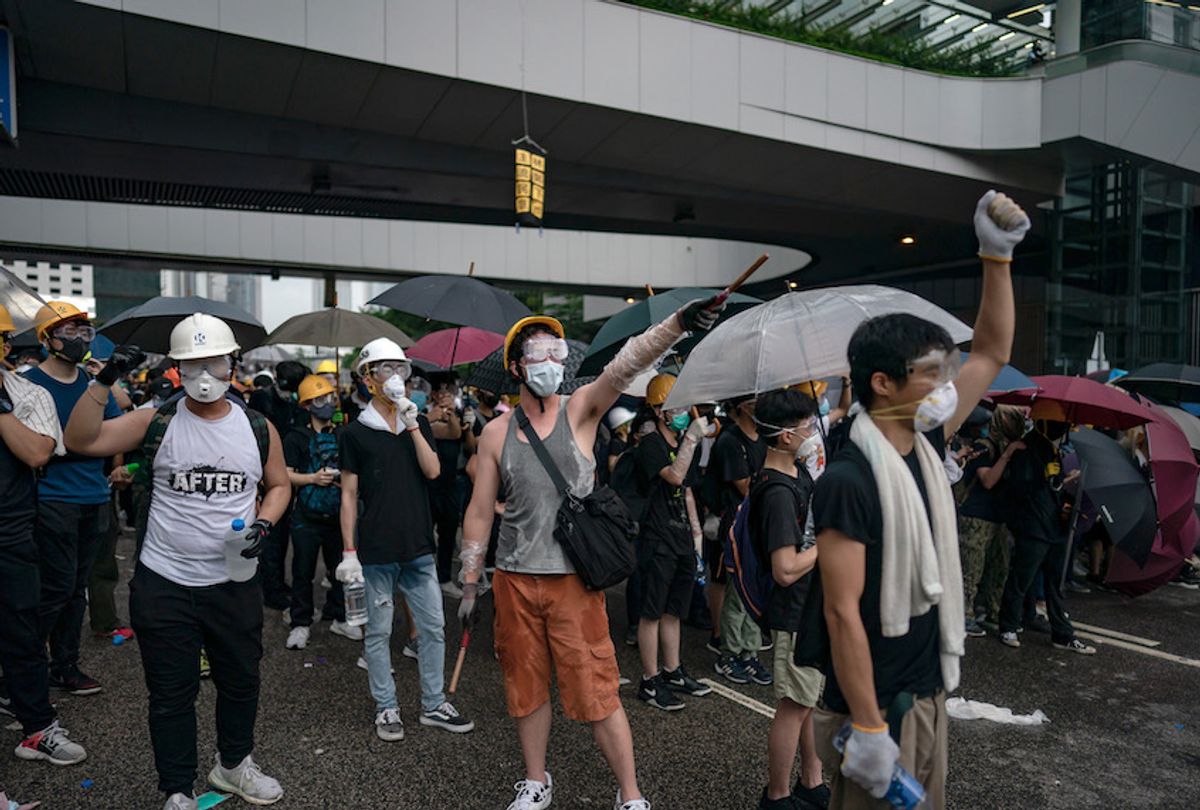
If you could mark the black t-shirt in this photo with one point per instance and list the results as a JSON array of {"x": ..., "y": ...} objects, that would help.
[
  {"x": 778, "y": 511},
  {"x": 395, "y": 522},
  {"x": 284, "y": 414},
  {"x": 18, "y": 496},
  {"x": 664, "y": 522},
  {"x": 1033, "y": 507},
  {"x": 846, "y": 499},
  {"x": 734, "y": 456},
  {"x": 981, "y": 502}
]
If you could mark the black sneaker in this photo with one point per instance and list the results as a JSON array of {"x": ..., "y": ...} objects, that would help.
[
  {"x": 975, "y": 629},
  {"x": 656, "y": 692},
  {"x": 757, "y": 672},
  {"x": 631, "y": 637},
  {"x": 768, "y": 642},
  {"x": 75, "y": 682},
  {"x": 1188, "y": 578},
  {"x": 680, "y": 681},
  {"x": 1040, "y": 624},
  {"x": 731, "y": 669},
  {"x": 786, "y": 803},
  {"x": 447, "y": 717},
  {"x": 713, "y": 645},
  {"x": 811, "y": 798}
]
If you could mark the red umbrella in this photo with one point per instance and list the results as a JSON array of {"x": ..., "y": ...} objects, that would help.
[
  {"x": 1173, "y": 475},
  {"x": 450, "y": 347},
  {"x": 1080, "y": 401}
]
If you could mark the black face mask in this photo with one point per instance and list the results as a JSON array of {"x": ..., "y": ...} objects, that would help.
[
  {"x": 488, "y": 399},
  {"x": 323, "y": 412},
  {"x": 73, "y": 349}
]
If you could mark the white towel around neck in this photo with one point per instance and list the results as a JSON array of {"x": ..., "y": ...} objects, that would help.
[{"x": 920, "y": 567}]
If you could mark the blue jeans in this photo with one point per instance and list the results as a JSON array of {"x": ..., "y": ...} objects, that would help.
[{"x": 417, "y": 580}]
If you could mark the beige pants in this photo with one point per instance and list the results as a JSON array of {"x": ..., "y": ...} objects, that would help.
[{"x": 923, "y": 753}]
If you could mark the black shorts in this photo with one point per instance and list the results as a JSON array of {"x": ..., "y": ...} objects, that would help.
[{"x": 667, "y": 580}]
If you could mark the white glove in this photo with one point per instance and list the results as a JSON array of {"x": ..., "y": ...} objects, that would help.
[
  {"x": 1000, "y": 225},
  {"x": 698, "y": 428},
  {"x": 349, "y": 569},
  {"x": 870, "y": 758},
  {"x": 468, "y": 419},
  {"x": 407, "y": 412}
]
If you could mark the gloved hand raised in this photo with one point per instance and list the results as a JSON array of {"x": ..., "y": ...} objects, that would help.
[
  {"x": 699, "y": 428},
  {"x": 869, "y": 759},
  {"x": 466, "y": 606},
  {"x": 349, "y": 569},
  {"x": 255, "y": 535},
  {"x": 407, "y": 412},
  {"x": 1000, "y": 225},
  {"x": 700, "y": 315},
  {"x": 124, "y": 360}
]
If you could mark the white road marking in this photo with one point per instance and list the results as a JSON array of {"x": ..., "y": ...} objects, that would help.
[
  {"x": 1125, "y": 645},
  {"x": 1104, "y": 631},
  {"x": 738, "y": 698}
]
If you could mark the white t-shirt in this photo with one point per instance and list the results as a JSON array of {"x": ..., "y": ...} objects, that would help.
[{"x": 206, "y": 475}]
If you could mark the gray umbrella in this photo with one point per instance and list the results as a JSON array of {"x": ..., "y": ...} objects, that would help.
[
  {"x": 489, "y": 373},
  {"x": 336, "y": 327},
  {"x": 460, "y": 300},
  {"x": 149, "y": 325}
]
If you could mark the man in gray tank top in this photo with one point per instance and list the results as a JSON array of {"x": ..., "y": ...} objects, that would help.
[{"x": 544, "y": 614}]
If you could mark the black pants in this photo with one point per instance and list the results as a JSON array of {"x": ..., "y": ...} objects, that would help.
[
  {"x": 446, "y": 517},
  {"x": 310, "y": 540},
  {"x": 68, "y": 536},
  {"x": 22, "y": 650},
  {"x": 102, "y": 584},
  {"x": 1029, "y": 557},
  {"x": 273, "y": 561},
  {"x": 172, "y": 622}
]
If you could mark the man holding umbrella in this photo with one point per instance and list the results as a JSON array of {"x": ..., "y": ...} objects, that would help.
[
  {"x": 544, "y": 615},
  {"x": 206, "y": 456}
]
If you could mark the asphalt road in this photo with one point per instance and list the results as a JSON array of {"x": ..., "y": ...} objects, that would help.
[{"x": 1122, "y": 732}]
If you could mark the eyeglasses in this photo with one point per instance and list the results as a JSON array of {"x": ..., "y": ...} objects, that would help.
[
  {"x": 323, "y": 400},
  {"x": 74, "y": 329},
  {"x": 218, "y": 367},
  {"x": 541, "y": 349},
  {"x": 384, "y": 371}
]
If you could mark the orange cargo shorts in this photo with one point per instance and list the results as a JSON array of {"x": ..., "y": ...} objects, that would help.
[{"x": 553, "y": 618}]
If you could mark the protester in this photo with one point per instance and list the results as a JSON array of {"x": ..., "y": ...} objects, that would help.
[
  {"x": 887, "y": 534},
  {"x": 1039, "y": 529},
  {"x": 311, "y": 454},
  {"x": 328, "y": 370},
  {"x": 30, "y": 436},
  {"x": 72, "y": 499},
  {"x": 737, "y": 455},
  {"x": 779, "y": 509},
  {"x": 206, "y": 455},
  {"x": 448, "y": 432},
  {"x": 387, "y": 460},
  {"x": 666, "y": 465},
  {"x": 544, "y": 615}
]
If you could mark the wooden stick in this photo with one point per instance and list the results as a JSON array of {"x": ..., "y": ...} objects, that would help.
[
  {"x": 458, "y": 663},
  {"x": 471, "y": 270},
  {"x": 649, "y": 290},
  {"x": 740, "y": 280}
]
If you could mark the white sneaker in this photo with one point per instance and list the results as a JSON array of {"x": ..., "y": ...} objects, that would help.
[
  {"x": 246, "y": 780},
  {"x": 452, "y": 590},
  {"x": 350, "y": 631},
  {"x": 52, "y": 745},
  {"x": 361, "y": 663},
  {"x": 632, "y": 804},
  {"x": 298, "y": 638},
  {"x": 533, "y": 795},
  {"x": 1010, "y": 640},
  {"x": 388, "y": 725},
  {"x": 178, "y": 801},
  {"x": 412, "y": 649},
  {"x": 287, "y": 617}
]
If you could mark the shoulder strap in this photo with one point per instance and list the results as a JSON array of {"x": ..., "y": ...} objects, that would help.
[
  {"x": 262, "y": 434},
  {"x": 543, "y": 454}
]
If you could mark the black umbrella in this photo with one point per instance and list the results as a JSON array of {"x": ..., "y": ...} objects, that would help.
[
  {"x": 1120, "y": 493},
  {"x": 1165, "y": 382},
  {"x": 149, "y": 325},
  {"x": 489, "y": 373},
  {"x": 460, "y": 300}
]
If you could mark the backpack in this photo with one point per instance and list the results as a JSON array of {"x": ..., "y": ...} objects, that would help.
[
  {"x": 322, "y": 503},
  {"x": 623, "y": 481},
  {"x": 748, "y": 566},
  {"x": 143, "y": 481}
]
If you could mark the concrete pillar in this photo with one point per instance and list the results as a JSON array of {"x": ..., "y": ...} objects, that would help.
[{"x": 1067, "y": 19}]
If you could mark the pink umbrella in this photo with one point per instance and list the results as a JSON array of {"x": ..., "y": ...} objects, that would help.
[
  {"x": 450, "y": 347},
  {"x": 1173, "y": 476}
]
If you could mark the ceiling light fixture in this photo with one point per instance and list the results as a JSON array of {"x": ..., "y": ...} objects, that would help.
[
  {"x": 629, "y": 300},
  {"x": 887, "y": 2},
  {"x": 793, "y": 285},
  {"x": 1006, "y": 36},
  {"x": 1028, "y": 45},
  {"x": 1021, "y": 12},
  {"x": 908, "y": 240},
  {"x": 979, "y": 28},
  {"x": 951, "y": 19}
]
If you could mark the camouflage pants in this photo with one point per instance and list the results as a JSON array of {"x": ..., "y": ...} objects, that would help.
[{"x": 983, "y": 547}]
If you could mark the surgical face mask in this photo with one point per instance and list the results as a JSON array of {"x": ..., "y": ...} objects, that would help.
[
  {"x": 204, "y": 387},
  {"x": 544, "y": 379},
  {"x": 824, "y": 406},
  {"x": 393, "y": 388},
  {"x": 937, "y": 408},
  {"x": 419, "y": 398},
  {"x": 680, "y": 421}
]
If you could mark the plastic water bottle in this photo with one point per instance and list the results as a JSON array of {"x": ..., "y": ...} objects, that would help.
[
  {"x": 354, "y": 597},
  {"x": 904, "y": 792},
  {"x": 239, "y": 568}
]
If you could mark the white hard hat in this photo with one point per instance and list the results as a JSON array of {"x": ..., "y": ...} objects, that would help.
[
  {"x": 619, "y": 416},
  {"x": 377, "y": 351},
  {"x": 201, "y": 335}
]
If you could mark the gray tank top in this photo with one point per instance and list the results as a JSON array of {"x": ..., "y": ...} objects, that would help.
[{"x": 527, "y": 544}]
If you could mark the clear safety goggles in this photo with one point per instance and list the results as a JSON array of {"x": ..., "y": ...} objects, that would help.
[
  {"x": 390, "y": 368},
  {"x": 805, "y": 427},
  {"x": 75, "y": 329},
  {"x": 541, "y": 349},
  {"x": 218, "y": 367},
  {"x": 937, "y": 366},
  {"x": 323, "y": 400},
  {"x": 672, "y": 413}
]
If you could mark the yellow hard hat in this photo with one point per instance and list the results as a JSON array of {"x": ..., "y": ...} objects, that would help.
[
  {"x": 326, "y": 367},
  {"x": 551, "y": 324},
  {"x": 314, "y": 386},
  {"x": 6, "y": 322},
  {"x": 54, "y": 313},
  {"x": 659, "y": 388},
  {"x": 813, "y": 388}
]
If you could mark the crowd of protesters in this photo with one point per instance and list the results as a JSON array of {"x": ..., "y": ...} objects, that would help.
[{"x": 859, "y": 504}]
